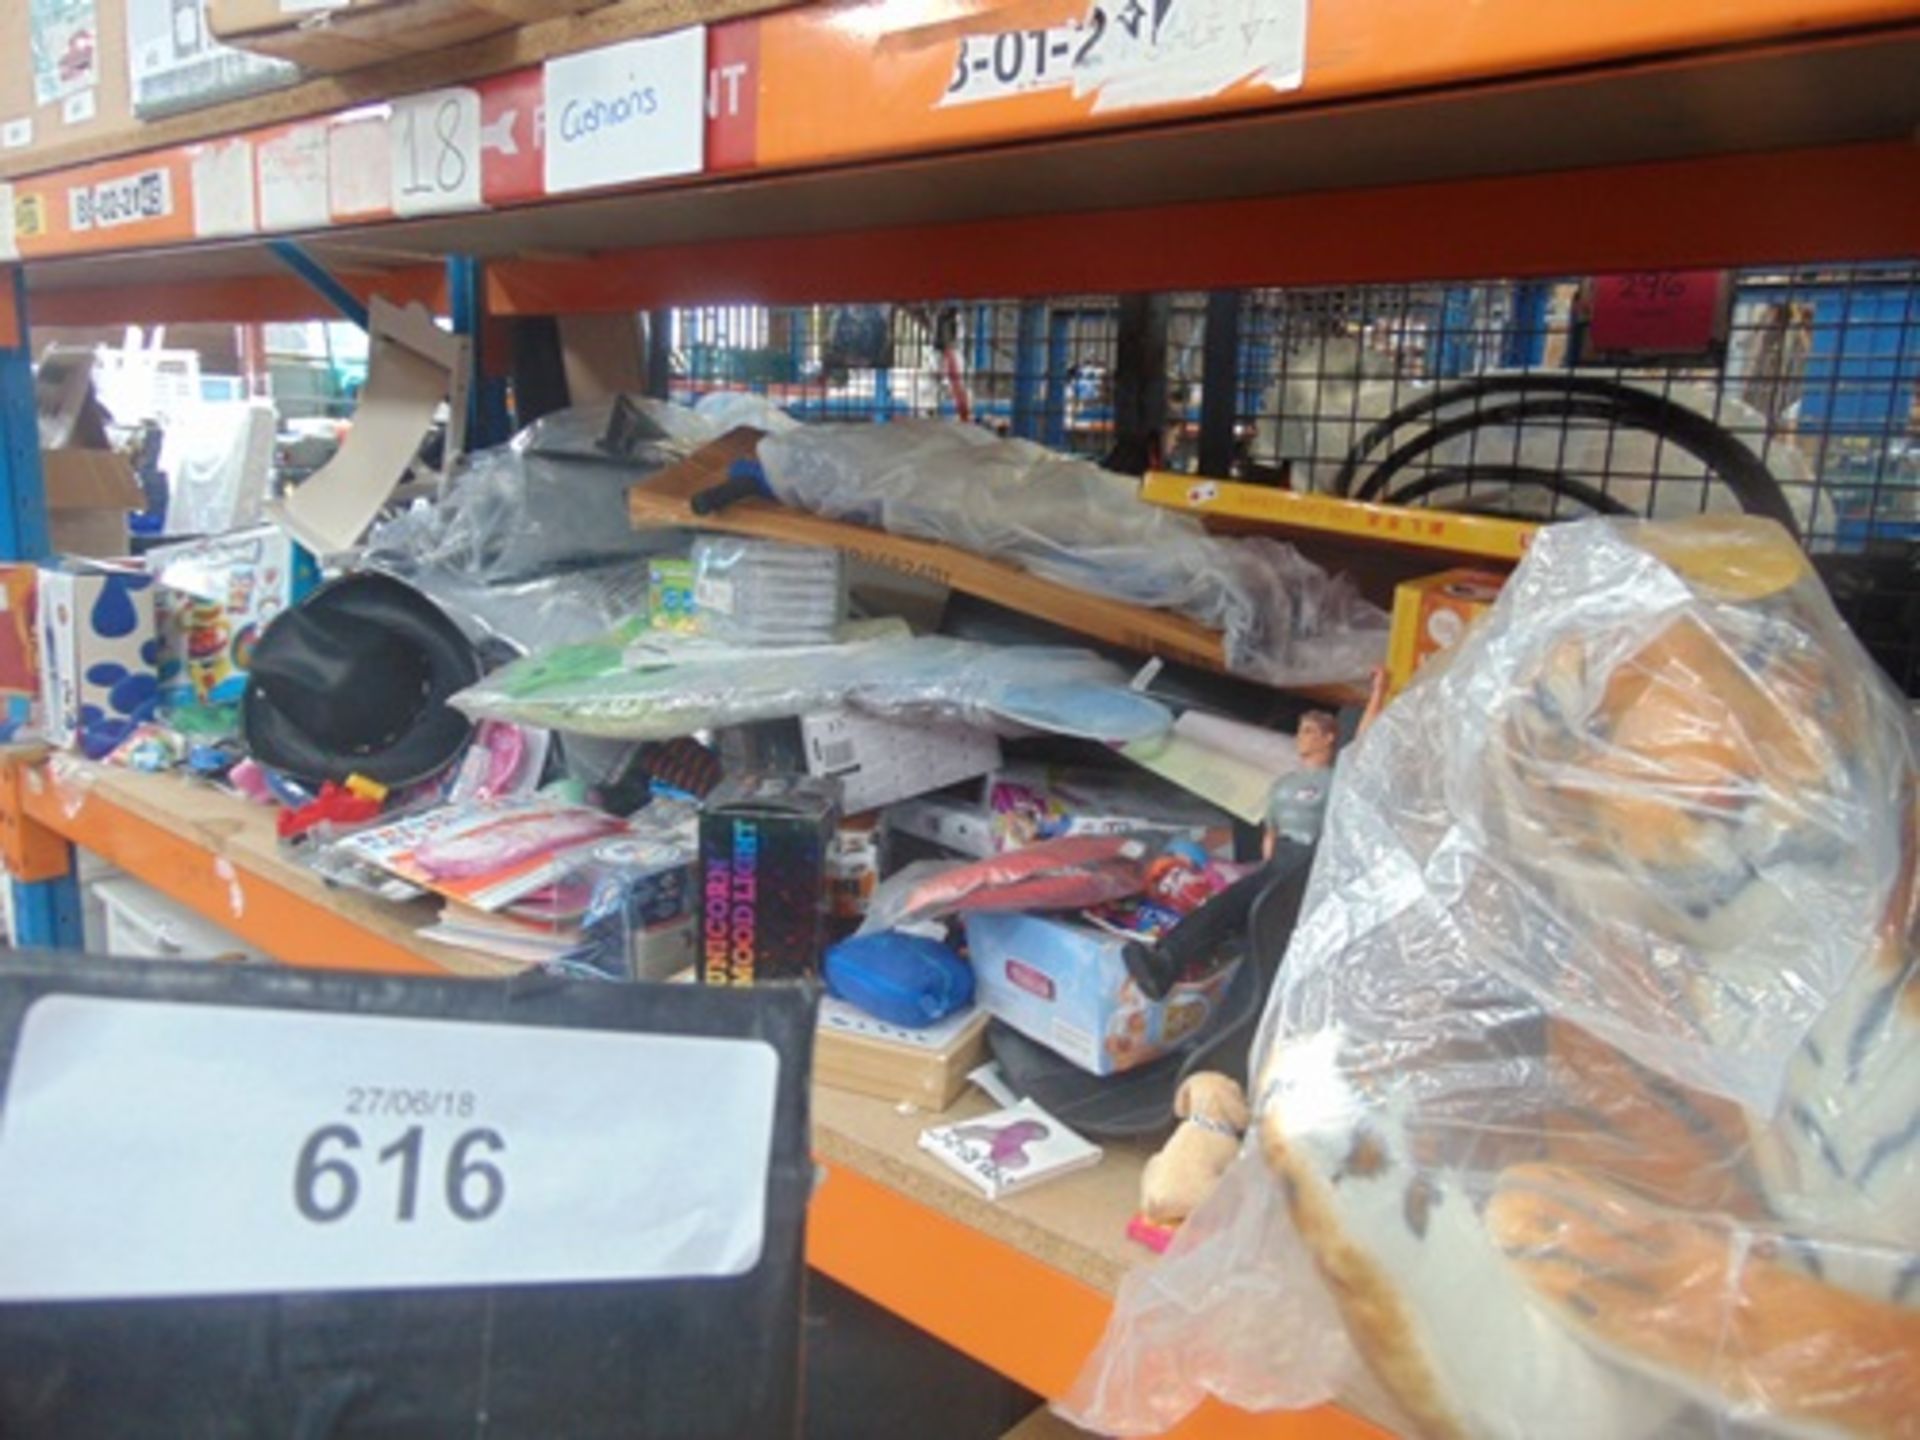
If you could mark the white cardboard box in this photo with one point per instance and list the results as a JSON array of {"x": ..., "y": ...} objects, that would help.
[
  {"x": 880, "y": 761},
  {"x": 98, "y": 646}
]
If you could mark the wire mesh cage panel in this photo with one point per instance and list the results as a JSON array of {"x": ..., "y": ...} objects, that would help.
[
  {"x": 1517, "y": 397},
  {"x": 1787, "y": 392},
  {"x": 1042, "y": 370}
]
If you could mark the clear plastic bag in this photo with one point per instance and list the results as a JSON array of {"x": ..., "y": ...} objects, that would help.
[
  {"x": 552, "y": 498},
  {"x": 727, "y": 409},
  {"x": 618, "y": 688},
  {"x": 1586, "y": 1095},
  {"x": 767, "y": 592},
  {"x": 1284, "y": 619}
]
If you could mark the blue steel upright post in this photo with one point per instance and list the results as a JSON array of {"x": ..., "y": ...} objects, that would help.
[
  {"x": 46, "y": 912},
  {"x": 487, "y": 422}
]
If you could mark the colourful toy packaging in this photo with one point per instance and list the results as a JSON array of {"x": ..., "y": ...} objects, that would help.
[
  {"x": 98, "y": 651},
  {"x": 670, "y": 594},
  {"x": 1431, "y": 613},
  {"x": 1027, "y": 804},
  {"x": 19, "y": 656},
  {"x": 764, "y": 841},
  {"x": 215, "y": 597},
  {"x": 853, "y": 869},
  {"x": 1066, "y": 986}
]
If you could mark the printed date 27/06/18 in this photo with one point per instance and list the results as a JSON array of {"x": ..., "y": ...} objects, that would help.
[{"x": 410, "y": 1102}]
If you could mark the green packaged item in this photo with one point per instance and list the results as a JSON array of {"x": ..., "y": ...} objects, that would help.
[
  {"x": 670, "y": 584},
  {"x": 627, "y": 685}
]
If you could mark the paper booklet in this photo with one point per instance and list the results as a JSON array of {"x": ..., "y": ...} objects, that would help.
[{"x": 1010, "y": 1150}]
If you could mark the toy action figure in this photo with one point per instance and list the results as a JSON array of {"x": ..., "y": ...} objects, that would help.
[{"x": 1298, "y": 804}]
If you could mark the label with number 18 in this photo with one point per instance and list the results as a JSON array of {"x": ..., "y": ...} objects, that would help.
[{"x": 436, "y": 152}]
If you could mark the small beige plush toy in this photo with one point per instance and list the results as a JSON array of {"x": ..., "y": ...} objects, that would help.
[{"x": 1213, "y": 1115}]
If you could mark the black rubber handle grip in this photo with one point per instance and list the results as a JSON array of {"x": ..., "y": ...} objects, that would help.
[
  {"x": 715, "y": 498},
  {"x": 1155, "y": 967}
]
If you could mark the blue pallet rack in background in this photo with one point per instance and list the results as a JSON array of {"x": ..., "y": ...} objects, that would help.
[
  {"x": 1857, "y": 395},
  {"x": 47, "y": 912}
]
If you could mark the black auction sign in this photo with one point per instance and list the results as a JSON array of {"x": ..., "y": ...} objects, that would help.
[{"x": 248, "y": 1202}]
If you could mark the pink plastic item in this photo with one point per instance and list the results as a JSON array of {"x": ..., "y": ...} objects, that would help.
[{"x": 512, "y": 842}]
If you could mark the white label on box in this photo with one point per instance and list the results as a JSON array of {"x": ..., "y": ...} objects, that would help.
[
  {"x": 9, "y": 250},
  {"x": 436, "y": 152},
  {"x": 710, "y": 593},
  {"x": 879, "y": 761},
  {"x": 16, "y": 134},
  {"x": 124, "y": 200},
  {"x": 77, "y": 108},
  {"x": 359, "y": 168},
  {"x": 151, "y": 1149},
  {"x": 223, "y": 188},
  {"x": 625, "y": 113},
  {"x": 292, "y": 171}
]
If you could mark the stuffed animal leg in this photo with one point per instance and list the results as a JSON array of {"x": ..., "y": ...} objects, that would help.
[{"x": 1213, "y": 1114}]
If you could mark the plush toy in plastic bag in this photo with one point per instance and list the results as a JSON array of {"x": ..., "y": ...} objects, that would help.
[{"x": 1589, "y": 1095}]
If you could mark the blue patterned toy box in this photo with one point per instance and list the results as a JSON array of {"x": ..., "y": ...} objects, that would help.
[{"x": 98, "y": 652}]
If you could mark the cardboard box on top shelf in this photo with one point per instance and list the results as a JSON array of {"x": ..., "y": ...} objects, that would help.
[
  {"x": 176, "y": 64},
  {"x": 334, "y": 35},
  {"x": 63, "y": 73}
]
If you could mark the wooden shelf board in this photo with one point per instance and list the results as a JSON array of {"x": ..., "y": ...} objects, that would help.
[
  {"x": 664, "y": 499},
  {"x": 1775, "y": 139},
  {"x": 1023, "y": 1284}
]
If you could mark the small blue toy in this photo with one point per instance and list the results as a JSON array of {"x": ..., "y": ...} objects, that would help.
[{"x": 906, "y": 980}]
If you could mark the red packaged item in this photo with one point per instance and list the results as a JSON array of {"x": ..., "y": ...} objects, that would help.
[{"x": 1065, "y": 874}]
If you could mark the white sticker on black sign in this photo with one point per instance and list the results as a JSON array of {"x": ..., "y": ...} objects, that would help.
[{"x": 151, "y": 1150}]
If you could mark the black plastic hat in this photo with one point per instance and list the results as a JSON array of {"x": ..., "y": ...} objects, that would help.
[{"x": 354, "y": 680}]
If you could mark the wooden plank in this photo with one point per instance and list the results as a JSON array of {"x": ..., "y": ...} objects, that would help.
[
  {"x": 1023, "y": 1284},
  {"x": 663, "y": 499},
  {"x": 217, "y": 855}
]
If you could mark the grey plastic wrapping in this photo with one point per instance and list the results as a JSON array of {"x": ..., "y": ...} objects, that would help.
[
  {"x": 532, "y": 542},
  {"x": 549, "y": 499},
  {"x": 601, "y": 688},
  {"x": 535, "y": 614},
  {"x": 726, "y": 409},
  {"x": 1285, "y": 620},
  {"x": 1586, "y": 1097}
]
